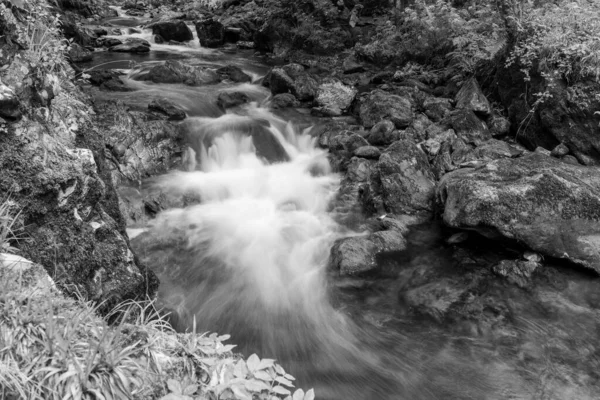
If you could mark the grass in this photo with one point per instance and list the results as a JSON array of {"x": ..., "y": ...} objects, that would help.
[{"x": 55, "y": 347}]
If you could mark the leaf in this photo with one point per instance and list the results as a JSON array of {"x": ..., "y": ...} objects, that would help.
[
  {"x": 263, "y": 375},
  {"x": 241, "y": 393},
  {"x": 253, "y": 362},
  {"x": 298, "y": 395},
  {"x": 266, "y": 363},
  {"x": 280, "y": 390},
  {"x": 310, "y": 395},
  {"x": 174, "y": 386},
  {"x": 256, "y": 386},
  {"x": 288, "y": 376},
  {"x": 284, "y": 381},
  {"x": 190, "y": 389}
]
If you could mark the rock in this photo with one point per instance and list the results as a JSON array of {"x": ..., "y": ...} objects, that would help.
[
  {"x": 351, "y": 66},
  {"x": 334, "y": 95},
  {"x": 469, "y": 127},
  {"x": 383, "y": 133},
  {"x": 305, "y": 87},
  {"x": 354, "y": 141},
  {"x": 78, "y": 54},
  {"x": 158, "y": 39},
  {"x": 99, "y": 32},
  {"x": 434, "y": 298},
  {"x": 211, "y": 32},
  {"x": 493, "y": 149},
  {"x": 356, "y": 255},
  {"x": 172, "y": 30},
  {"x": 280, "y": 81},
  {"x": 227, "y": 100},
  {"x": 560, "y": 151},
  {"x": 459, "y": 237},
  {"x": 570, "y": 160},
  {"x": 437, "y": 108},
  {"x": 515, "y": 271},
  {"x": 74, "y": 227},
  {"x": 284, "y": 100},
  {"x": 406, "y": 179},
  {"x": 371, "y": 152},
  {"x": 10, "y": 105},
  {"x": 173, "y": 71},
  {"x": 499, "y": 126},
  {"x": 550, "y": 206},
  {"x": 379, "y": 105},
  {"x": 233, "y": 73},
  {"x": 244, "y": 45},
  {"x": 294, "y": 70},
  {"x": 132, "y": 45},
  {"x": 470, "y": 97},
  {"x": 109, "y": 42},
  {"x": 165, "y": 106}
]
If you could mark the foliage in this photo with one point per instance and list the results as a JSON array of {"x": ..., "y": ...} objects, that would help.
[
  {"x": 8, "y": 220},
  {"x": 52, "y": 347},
  {"x": 561, "y": 37}
]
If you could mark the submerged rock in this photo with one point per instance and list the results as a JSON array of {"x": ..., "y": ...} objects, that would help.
[
  {"x": 517, "y": 272},
  {"x": 227, "y": 100},
  {"x": 550, "y": 206},
  {"x": 168, "y": 108}
]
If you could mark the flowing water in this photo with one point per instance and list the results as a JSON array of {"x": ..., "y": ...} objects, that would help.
[{"x": 248, "y": 256}]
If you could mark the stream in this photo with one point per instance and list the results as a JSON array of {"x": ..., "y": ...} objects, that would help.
[{"x": 250, "y": 259}]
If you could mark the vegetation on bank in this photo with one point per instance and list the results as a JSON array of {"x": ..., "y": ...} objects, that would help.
[{"x": 55, "y": 347}]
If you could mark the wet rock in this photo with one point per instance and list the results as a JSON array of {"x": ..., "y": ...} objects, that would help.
[
  {"x": 158, "y": 39},
  {"x": 211, "y": 32},
  {"x": 10, "y": 105},
  {"x": 358, "y": 192},
  {"x": 383, "y": 133},
  {"x": 516, "y": 271},
  {"x": 173, "y": 71},
  {"x": 493, "y": 149},
  {"x": 370, "y": 152},
  {"x": 284, "y": 100},
  {"x": 78, "y": 54},
  {"x": 334, "y": 95},
  {"x": 406, "y": 179},
  {"x": 109, "y": 42},
  {"x": 167, "y": 107},
  {"x": 470, "y": 97},
  {"x": 280, "y": 81},
  {"x": 245, "y": 45},
  {"x": 469, "y": 127},
  {"x": 379, "y": 105},
  {"x": 437, "y": 108},
  {"x": 560, "y": 151},
  {"x": 132, "y": 45},
  {"x": 550, "y": 206},
  {"x": 172, "y": 30},
  {"x": 233, "y": 73},
  {"x": 100, "y": 32},
  {"x": 227, "y": 100},
  {"x": 356, "y": 255}
]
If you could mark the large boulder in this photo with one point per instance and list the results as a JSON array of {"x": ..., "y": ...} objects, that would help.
[
  {"x": 211, "y": 32},
  {"x": 406, "y": 179},
  {"x": 173, "y": 71},
  {"x": 379, "y": 105},
  {"x": 172, "y": 30},
  {"x": 470, "y": 97},
  {"x": 548, "y": 205}
]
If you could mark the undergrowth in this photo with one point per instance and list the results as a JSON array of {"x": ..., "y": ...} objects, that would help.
[{"x": 58, "y": 348}]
